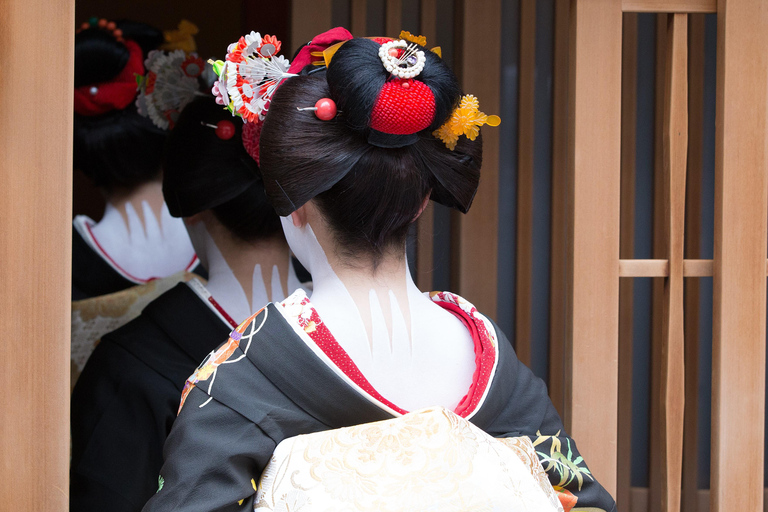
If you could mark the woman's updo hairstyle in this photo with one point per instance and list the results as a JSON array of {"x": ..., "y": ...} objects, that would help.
[
  {"x": 202, "y": 171},
  {"x": 119, "y": 149},
  {"x": 356, "y": 76},
  {"x": 369, "y": 186}
]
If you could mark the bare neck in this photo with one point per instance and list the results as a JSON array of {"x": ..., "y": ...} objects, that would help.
[
  {"x": 150, "y": 193},
  {"x": 251, "y": 264}
]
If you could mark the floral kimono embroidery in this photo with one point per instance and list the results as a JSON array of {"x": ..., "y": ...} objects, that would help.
[{"x": 235, "y": 415}]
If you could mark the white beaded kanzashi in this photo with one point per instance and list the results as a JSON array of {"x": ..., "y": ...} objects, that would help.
[{"x": 407, "y": 65}]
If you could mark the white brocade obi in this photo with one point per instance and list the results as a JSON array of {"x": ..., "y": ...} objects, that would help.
[{"x": 428, "y": 460}]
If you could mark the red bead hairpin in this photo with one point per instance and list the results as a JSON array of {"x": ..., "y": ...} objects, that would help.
[
  {"x": 225, "y": 130},
  {"x": 325, "y": 109},
  {"x": 103, "y": 24}
]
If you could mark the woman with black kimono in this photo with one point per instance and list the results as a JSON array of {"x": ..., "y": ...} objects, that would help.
[
  {"x": 119, "y": 151},
  {"x": 127, "y": 397},
  {"x": 359, "y": 135}
]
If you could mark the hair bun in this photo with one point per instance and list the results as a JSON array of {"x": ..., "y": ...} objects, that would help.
[
  {"x": 369, "y": 98},
  {"x": 404, "y": 106}
]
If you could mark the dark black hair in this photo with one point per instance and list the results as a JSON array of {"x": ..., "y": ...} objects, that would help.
[
  {"x": 368, "y": 194},
  {"x": 204, "y": 172},
  {"x": 119, "y": 149}
]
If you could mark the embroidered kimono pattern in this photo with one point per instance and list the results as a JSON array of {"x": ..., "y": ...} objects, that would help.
[
  {"x": 235, "y": 415},
  {"x": 426, "y": 460},
  {"x": 127, "y": 397}
]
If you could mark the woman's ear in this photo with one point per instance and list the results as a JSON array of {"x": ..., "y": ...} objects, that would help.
[
  {"x": 423, "y": 207},
  {"x": 193, "y": 219},
  {"x": 299, "y": 217}
]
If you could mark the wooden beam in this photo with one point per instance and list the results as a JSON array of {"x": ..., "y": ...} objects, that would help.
[
  {"x": 36, "y": 248},
  {"x": 660, "y": 268},
  {"x": 643, "y": 268},
  {"x": 558, "y": 254},
  {"x": 593, "y": 282},
  {"x": 308, "y": 18},
  {"x": 476, "y": 233},
  {"x": 425, "y": 255},
  {"x": 693, "y": 250},
  {"x": 526, "y": 131},
  {"x": 741, "y": 210},
  {"x": 671, "y": 6},
  {"x": 698, "y": 268},
  {"x": 673, "y": 337},
  {"x": 626, "y": 250}
]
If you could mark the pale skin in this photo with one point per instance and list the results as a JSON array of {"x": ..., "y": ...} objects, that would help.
[
  {"x": 359, "y": 276},
  {"x": 241, "y": 256},
  {"x": 411, "y": 350},
  {"x": 138, "y": 234},
  {"x": 150, "y": 192}
]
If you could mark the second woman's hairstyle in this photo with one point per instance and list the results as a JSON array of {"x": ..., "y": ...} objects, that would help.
[
  {"x": 202, "y": 171},
  {"x": 118, "y": 149}
]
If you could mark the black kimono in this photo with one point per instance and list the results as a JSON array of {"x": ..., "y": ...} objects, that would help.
[
  {"x": 126, "y": 399},
  {"x": 93, "y": 276},
  {"x": 281, "y": 375}
]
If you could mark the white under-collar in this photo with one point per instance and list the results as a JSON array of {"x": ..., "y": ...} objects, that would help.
[{"x": 139, "y": 251}]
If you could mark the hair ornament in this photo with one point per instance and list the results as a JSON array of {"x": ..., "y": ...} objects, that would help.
[
  {"x": 249, "y": 76},
  {"x": 103, "y": 24},
  {"x": 325, "y": 109},
  {"x": 225, "y": 130},
  {"x": 170, "y": 84},
  {"x": 402, "y": 59},
  {"x": 181, "y": 38},
  {"x": 115, "y": 94},
  {"x": 407, "y": 36},
  {"x": 466, "y": 120}
]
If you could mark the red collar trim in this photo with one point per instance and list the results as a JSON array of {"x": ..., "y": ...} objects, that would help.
[
  {"x": 486, "y": 351},
  {"x": 116, "y": 94},
  {"x": 120, "y": 270},
  {"x": 221, "y": 311}
]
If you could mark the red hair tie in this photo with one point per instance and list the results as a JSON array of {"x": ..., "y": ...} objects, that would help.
[{"x": 115, "y": 94}]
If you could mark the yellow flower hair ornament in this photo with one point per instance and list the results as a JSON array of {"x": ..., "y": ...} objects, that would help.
[
  {"x": 182, "y": 38},
  {"x": 465, "y": 120}
]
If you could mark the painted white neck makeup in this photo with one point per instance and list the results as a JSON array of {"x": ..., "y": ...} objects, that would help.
[
  {"x": 412, "y": 351},
  {"x": 142, "y": 245},
  {"x": 240, "y": 297}
]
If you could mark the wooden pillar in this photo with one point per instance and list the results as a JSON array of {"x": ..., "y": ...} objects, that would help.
[
  {"x": 626, "y": 250},
  {"x": 476, "y": 232},
  {"x": 426, "y": 223},
  {"x": 308, "y": 18},
  {"x": 359, "y": 17},
  {"x": 593, "y": 284},
  {"x": 559, "y": 253},
  {"x": 525, "y": 170},
  {"x": 741, "y": 197},
  {"x": 394, "y": 21},
  {"x": 693, "y": 251},
  {"x": 36, "y": 248},
  {"x": 675, "y": 155},
  {"x": 659, "y": 252}
]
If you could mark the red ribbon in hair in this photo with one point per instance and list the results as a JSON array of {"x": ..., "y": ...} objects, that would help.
[
  {"x": 116, "y": 94},
  {"x": 319, "y": 43}
]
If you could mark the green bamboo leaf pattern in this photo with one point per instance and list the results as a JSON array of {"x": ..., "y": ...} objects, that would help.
[{"x": 562, "y": 465}]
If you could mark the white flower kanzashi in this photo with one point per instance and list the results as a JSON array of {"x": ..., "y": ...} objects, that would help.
[
  {"x": 172, "y": 90},
  {"x": 260, "y": 75},
  {"x": 402, "y": 59}
]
